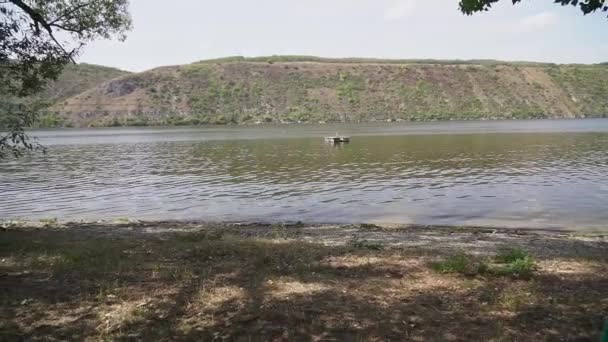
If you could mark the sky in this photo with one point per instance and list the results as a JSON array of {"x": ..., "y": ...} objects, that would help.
[{"x": 185, "y": 31}]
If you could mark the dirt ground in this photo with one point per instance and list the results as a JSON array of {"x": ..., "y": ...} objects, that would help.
[{"x": 226, "y": 282}]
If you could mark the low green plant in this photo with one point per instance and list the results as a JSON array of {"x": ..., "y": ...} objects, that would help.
[
  {"x": 512, "y": 262},
  {"x": 366, "y": 244},
  {"x": 461, "y": 263},
  {"x": 195, "y": 237},
  {"x": 511, "y": 254},
  {"x": 454, "y": 264}
]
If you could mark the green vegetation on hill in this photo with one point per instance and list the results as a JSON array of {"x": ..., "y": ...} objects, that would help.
[
  {"x": 282, "y": 89},
  {"x": 588, "y": 87},
  {"x": 74, "y": 79},
  {"x": 355, "y": 60}
]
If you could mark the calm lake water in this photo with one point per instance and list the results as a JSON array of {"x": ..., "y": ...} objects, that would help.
[{"x": 530, "y": 174}]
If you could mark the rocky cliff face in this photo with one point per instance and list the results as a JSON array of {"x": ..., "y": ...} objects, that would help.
[{"x": 247, "y": 91}]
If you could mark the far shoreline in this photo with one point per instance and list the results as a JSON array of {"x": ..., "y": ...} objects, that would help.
[
  {"x": 320, "y": 124},
  {"x": 120, "y": 225}
]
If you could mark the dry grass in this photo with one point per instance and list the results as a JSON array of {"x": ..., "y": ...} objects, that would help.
[{"x": 71, "y": 285}]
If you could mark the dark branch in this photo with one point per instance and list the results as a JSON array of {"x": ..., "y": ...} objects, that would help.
[
  {"x": 67, "y": 14},
  {"x": 40, "y": 20},
  {"x": 36, "y": 17},
  {"x": 586, "y": 6},
  {"x": 67, "y": 29}
]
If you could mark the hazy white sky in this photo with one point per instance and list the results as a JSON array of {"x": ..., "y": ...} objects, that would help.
[{"x": 184, "y": 31}]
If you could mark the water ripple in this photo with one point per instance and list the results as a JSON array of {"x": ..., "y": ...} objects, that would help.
[{"x": 458, "y": 179}]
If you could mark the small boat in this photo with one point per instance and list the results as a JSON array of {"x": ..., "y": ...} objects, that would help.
[{"x": 336, "y": 139}]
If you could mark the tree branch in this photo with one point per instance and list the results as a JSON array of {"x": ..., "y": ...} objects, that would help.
[
  {"x": 61, "y": 27},
  {"x": 40, "y": 20},
  {"x": 72, "y": 11},
  {"x": 36, "y": 17},
  {"x": 69, "y": 54}
]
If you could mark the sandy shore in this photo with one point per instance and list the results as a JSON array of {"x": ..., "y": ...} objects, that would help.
[
  {"x": 167, "y": 281},
  {"x": 477, "y": 240}
]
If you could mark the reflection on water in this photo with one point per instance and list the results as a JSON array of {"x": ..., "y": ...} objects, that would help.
[{"x": 507, "y": 179}]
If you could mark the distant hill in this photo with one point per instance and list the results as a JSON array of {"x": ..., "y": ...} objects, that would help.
[
  {"x": 77, "y": 78},
  {"x": 354, "y": 60},
  {"x": 313, "y": 89},
  {"x": 74, "y": 79}
]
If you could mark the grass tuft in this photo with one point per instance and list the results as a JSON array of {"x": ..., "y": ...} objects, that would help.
[
  {"x": 511, "y": 262},
  {"x": 455, "y": 264},
  {"x": 194, "y": 237},
  {"x": 514, "y": 262},
  {"x": 511, "y": 254},
  {"x": 461, "y": 263},
  {"x": 366, "y": 244},
  {"x": 519, "y": 268}
]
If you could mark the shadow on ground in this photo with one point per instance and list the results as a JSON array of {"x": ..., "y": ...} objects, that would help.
[{"x": 60, "y": 285}]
